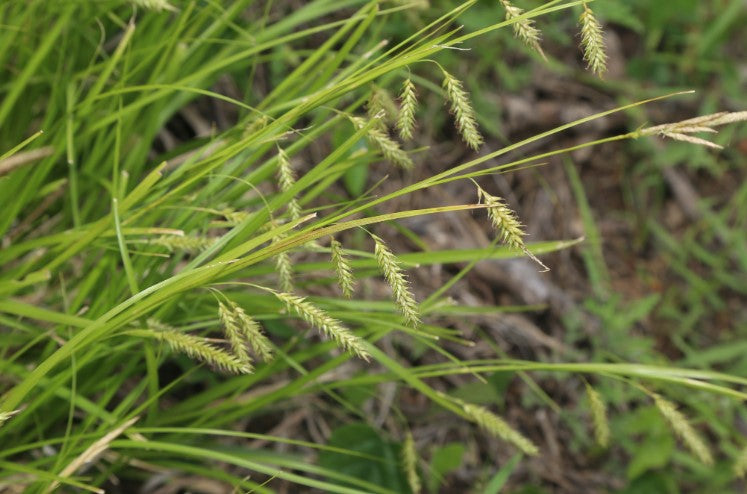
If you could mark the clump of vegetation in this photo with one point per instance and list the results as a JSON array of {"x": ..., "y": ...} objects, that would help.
[{"x": 178, "y": 183}]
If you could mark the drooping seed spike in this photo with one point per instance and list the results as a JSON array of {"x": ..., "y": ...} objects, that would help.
[
  {"x": 233, "y": 333},
  {"x": 252, "y": 333},
  {"x": 592, "y": 42},
  {"x": 406, "y": 117},
  {"x": 598, "y": 416},
  {"x": 395, "y": 276},
  {"x": 498, "y": 427},
  {"x": 345, "y": 278},
  {"x": 410, "y": 463},
  {"x": 198, "y": 349},
  {"x": 329, "y": 326},
  {"x": 682, "y": 428},
  {"x": 284, "y": 268},
  {"x": 388, "y": 147},
  {"x": 286, "y": 179},
  {"x": 509, "y": 228},
  {"x": 156, "y": 5},
  {"x": 524, "y": 29},
  {"x": 175, "y": 243},
  {"x": 461, "y": 109},
  {"x": 380, "y": 107}
]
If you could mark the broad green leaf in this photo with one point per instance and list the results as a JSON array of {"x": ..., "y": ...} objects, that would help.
[{"x": 378, "y": 464}]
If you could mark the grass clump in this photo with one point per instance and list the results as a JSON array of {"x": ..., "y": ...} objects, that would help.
[{"x": 121, "y": 129}]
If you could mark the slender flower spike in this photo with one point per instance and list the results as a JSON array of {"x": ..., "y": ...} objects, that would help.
[
  {"x": 461, "y": 109},
  {"x": 523, "y": 28},
  {"x": 284, "y": 268},
  {"x": 406, "y": 118},
  {"x": 153, "y": 323},
  {"x": 740, "y": 465},
  {"x": 681, "y": 131},
  {"x": 233, "y": 333},
  {"x": 234, "y": 217},
  {"x": 330, "y": 326},
  {"x": 592, "y": 41},
  {"x": 251, "y": 332},
  {"x": 286, "y": 179},
  {"x": 386, "y": 145},
  {"x": 498, "y": 427},
  {"x": 599, "y": 416},
  {"x": 410, "y": 463},
  {"x": 5, "y": 416},
  {"x": 380, "y": 107},
  {"x": 197, "y": 348},
  {"x": 156, "y": 5},
  {"x": 395, "y": 276},
  {"x": 510, "y": 230},
  {"x": 342, "y": 267},
  {"x": 683, "y": 429},
  {"x": 183, "y": 243}
]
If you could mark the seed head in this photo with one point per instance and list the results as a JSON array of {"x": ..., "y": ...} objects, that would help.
[
  {"x": 524, "y": 29},
  {"x": 395, "y": 276},
  {"x": 329, "y": 326},
  {"x": 342, "y": 267},
  {"x": 187, "y": 243},
  {"x": 247, "y": 330},
  {"x": 499, "y": 428},
  {"x": 592, "y": 41},
  {"x": 680, "y": 131},
  {"x": 157, "y": 5},
  {"x": 380, "y": 107},
  {"x": 406, "y": 118},
  {"x": 683, "y": 429},
  {"x": 410, "y": 463},
  {"x": 387, "y": 146},
  {"x": 510, "y": 230},
  {"x": 197, "y": 348},
  {"x": 599, "y": 416},
  {"x": 461, "y": 109},
  {"x": 286, "y": 179},
  {"x": 233, "y": 333}
]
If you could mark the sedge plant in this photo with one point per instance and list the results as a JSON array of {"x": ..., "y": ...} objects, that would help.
[{"x": 157, "y": 294}]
